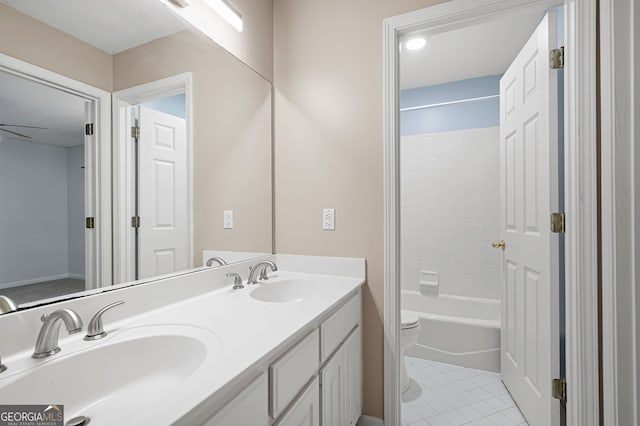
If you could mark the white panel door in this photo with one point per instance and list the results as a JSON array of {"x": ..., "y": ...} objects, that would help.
[
  {"x": 529, "y": 194},
  {"x": 164, "y": 234}
]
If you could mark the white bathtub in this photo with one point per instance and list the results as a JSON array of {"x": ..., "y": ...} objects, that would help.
[{"x": 456, "y": 330}]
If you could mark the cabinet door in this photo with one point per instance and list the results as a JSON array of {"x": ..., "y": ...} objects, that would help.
[
  {"x": 341, "y": 384},
  {"x": 353, "y": 365},
  {"x": 333, "y": 390},
  {"x": 249, "y": 408},
  {"x": 306, "y": 410}
]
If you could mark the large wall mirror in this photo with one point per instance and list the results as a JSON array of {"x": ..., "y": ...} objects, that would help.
[{"x": 132, "y": 146}]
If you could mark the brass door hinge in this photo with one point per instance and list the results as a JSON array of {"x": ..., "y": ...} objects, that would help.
[
  {"x": 135, "y": 132},
  {"x": 135, "y": 222},
  {"x": 90, "y": 223},
  {"x": 557, "y": 222},
  {"x": 559, "y": 389},
  {"x": 556, "y": 59}
]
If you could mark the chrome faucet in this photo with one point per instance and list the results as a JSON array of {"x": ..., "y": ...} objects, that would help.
[
  {"x": 260, "y": 269},
  {"x": 7, "y": 305},
  {"x": 95, "y": 330},
  {"x": 237, "y": 280},
  {"x": 47, "y": 342},
  {"x": 217, "y": 259}
]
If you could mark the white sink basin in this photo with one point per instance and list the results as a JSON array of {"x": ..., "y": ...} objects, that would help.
[
  {"x": 101, "y": 379},
  {"x": 291, "y": 290}
]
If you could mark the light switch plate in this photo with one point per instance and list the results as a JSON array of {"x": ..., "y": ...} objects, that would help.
[
  {"x": 329, "y": 219},
  {"x": 228, "y": 219}
]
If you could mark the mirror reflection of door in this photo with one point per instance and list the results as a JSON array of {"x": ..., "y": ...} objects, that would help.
[
  {"x": 161, "y": 221},
  {"x": 42, "y": 185}
]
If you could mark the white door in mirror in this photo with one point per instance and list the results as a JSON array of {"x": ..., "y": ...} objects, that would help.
[{"x": 164, "y": 217}]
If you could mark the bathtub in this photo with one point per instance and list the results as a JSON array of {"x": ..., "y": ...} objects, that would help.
[{"x": 457, "y": 330}]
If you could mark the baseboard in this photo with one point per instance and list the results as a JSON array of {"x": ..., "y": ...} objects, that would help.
[
  {"x": 75, "y": 276},
  {"x": 41, "y": 280},
  {"x": 370, "y": 421}
]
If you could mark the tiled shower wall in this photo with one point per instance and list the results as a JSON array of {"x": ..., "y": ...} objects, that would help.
[{"x": 450, "y": 211}]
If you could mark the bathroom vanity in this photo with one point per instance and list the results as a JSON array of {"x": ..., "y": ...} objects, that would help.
[
  {"x": 320, "y": 373},
  {"x": 191, "y": 350}
]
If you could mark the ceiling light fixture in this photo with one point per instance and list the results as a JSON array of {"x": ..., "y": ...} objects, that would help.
[
  {"x": 181, "y": 3},
  {"x": 224, "y": 9},
  {"x": 415, "y": 43}
]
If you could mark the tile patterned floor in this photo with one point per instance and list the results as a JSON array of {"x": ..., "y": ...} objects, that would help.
[{"x": 444, "y": 394}]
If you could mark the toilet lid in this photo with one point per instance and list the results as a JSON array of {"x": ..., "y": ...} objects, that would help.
[{"x": 409, "y": 319}]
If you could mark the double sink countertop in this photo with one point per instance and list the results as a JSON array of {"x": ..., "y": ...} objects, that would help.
[{"x": 180, "y": 362}]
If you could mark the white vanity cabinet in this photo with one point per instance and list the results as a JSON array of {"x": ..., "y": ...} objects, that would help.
[
  {"x": 289, "y": 374},
  {"x": 249, "y": 407},
  {"x": 316, "y": 381},
  {"x": 306, "y": 410},
  {"x": 341, "y": 384},
  {"x": 339, "y": 380}
]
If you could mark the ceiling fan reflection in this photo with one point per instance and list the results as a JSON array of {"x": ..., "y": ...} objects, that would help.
[{"x": 21, "y": 126}]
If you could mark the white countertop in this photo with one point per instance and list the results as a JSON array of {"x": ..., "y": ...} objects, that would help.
[{"x": 245, "y": 333}]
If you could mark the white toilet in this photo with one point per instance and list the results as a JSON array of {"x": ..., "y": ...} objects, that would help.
[{"x": 409, "y": 332}]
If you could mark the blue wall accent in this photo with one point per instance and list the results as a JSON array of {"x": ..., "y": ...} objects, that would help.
[
  {"x": 174, "y": 105},
  {"x": 560, "y": 11},
  {"x": 466, "y": 115}
]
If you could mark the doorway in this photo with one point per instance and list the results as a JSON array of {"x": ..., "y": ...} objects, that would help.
[
  {"x": 153, "y": 208},
  {"x": 441, "y": 286},
  {"x": 478, "y": 166},
  {"x": 51, "y": 158}
]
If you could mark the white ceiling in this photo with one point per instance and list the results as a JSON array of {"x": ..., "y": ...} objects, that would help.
[
  {"x": 474, "y": 51},
  {"x": 29, "y": 103},
  {"x": 110, "y": 25}
]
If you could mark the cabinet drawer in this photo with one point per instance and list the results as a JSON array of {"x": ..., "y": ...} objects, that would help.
[
  {"x": 335, "y": 329},
  {"x": 306, "y": 410},
  {"x": 249, "y": 407},
  {"x": 290, "y": 373}
]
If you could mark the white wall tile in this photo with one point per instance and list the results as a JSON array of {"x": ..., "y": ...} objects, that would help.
[{"x": 450, "y": 211}]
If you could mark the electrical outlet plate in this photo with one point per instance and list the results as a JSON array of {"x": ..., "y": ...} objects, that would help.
[
  {"x": 329, "y": 219},
  {"x": 228, "y": 219}
]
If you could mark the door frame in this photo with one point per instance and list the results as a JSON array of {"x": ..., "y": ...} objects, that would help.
[
  {"x": 581, "y": 258},
  {"x": 97, "y": 243},
  {"x": 620, "y": 110},
  {"x": 123, "y": 100}
]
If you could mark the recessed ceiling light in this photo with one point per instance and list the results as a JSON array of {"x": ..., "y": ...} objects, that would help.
[{"x": 415, "y": 43}]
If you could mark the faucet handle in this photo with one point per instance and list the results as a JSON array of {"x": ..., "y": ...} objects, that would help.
[
  {"x": 7, "y": 305},
  {"x": 95, "y": 329},
  {"x": 237, "y": 280}
]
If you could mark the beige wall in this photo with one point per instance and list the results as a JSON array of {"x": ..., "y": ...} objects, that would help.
[
  {"x": 254, "y": 46},
  {"x": 232, "y": 136},
  {"x": 328, "y": 144},
  {"x": 232, "y": 104},
  {"x": 29, "y": 40}
]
